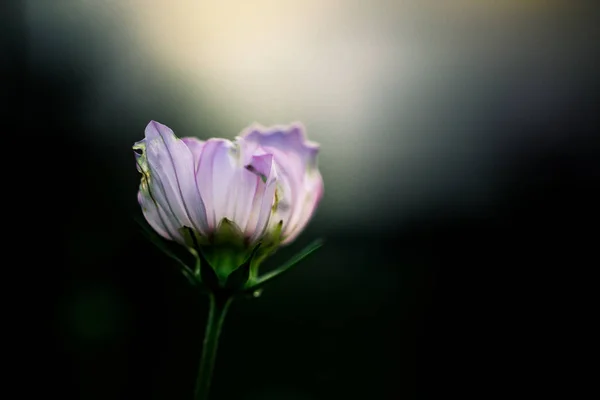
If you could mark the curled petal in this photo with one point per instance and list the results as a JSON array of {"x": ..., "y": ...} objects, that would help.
[
  {"x": 284, "y": 141},
  {"x": 300, "y": 185},
  {"x": 168, "y": 167}
]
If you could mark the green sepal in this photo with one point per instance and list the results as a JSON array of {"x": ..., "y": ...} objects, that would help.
[
  {"x": 224, "y": 252},
  {"x": 238, "y": 279},
  {"x": 207, "y": 274},
  {"x": 227, "y": 251},
  {"x": 203, "y": 271},
  {"x": 225, "y": 262},
  {"x": 254, "y": 286}
]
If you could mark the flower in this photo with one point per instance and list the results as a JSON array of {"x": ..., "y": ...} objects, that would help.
[{"x": 225, "y": 198}]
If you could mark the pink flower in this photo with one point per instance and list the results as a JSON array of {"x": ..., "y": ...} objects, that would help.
[{"x": 265, "y": 185}]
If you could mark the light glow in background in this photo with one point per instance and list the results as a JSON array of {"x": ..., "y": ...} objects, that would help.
[{"x": 396, "y": 92}]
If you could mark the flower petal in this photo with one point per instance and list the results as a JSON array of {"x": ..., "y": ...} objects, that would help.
[
  {"x": 195, "y": 145},
  {"x": 300, "y": 186},
  {"x": 213, "y": 172},
  {"x": 262, "y": 205},
  {"x": 243, "y": 187},
  {"x": 158, "y": 218},
  {"x": 312, "y": 195},
  {"x": 284, "y": 141},
  {"x": 224, "y": 182},
  {"x": 172, "y": 182}
]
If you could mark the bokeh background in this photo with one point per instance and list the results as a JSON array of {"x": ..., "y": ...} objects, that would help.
[{"x": 458, "y": 152}]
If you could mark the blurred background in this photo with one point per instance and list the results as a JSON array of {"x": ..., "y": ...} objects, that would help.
[{"x": 460, "y": 164}]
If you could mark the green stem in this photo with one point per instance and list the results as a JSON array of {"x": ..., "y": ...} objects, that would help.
[{"x": 216, "y": 316}]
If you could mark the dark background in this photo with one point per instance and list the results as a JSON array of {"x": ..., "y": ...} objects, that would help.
[{"x": 445, "y": 270}]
